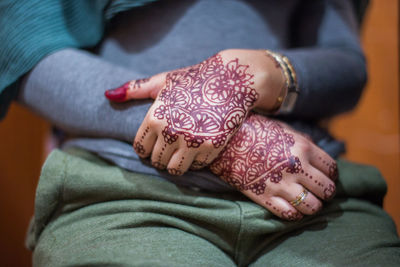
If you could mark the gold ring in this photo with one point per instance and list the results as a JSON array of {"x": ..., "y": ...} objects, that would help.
[{"x": 300, "y": 198}]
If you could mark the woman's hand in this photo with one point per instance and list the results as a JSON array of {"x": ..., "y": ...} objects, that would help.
[
  {"x": 199, "y": 108},
  {"x": 273, "y": 165}
]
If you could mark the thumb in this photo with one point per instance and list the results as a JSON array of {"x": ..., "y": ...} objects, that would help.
[{"x": 137, "y": 89}]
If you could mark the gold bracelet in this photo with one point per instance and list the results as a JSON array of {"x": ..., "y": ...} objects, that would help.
[
  {"x": 278, "y": 60},
  {"x": 290, "y": 87},
  {"x": 291, "y": 70}
]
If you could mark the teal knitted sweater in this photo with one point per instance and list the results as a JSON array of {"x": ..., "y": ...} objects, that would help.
[{"x": 30, "y": 30}]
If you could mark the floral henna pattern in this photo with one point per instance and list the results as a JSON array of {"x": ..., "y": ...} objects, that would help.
[
  {"x": 208, "y": 101},
  {"x": 259, "y": 151}
]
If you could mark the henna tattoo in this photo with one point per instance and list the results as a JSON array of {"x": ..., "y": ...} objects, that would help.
[
  {"x": 292, "y": 215},
  {"x": 180, "y": 163},
  {"x": 259, "y": 151},
  {"x": 333, "y": 171},
  {"x": 208, "y": 101},
  {"x": 139, "y": 82},
  {"x": 174, "y": 171},
  {"x": 197, "y": 165},
  {"x": 272, "y": 207},
  {"x": 329, "y": 192},
  {"x": 138, "y": 146},
  {"x": 158, "y": 165},
  {"x": 309, "y": 206},
  {"x": 119, "y": 94}
]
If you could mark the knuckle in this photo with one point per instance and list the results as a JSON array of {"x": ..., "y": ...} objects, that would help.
[
  {"x": 174, "y": 171},
  {"x": 291, "y": 215},
  {"x": 158, "y": 165},
  {"x": 304, "y": 146},
  {"x": 140, "y": 150},
  {"x": 329, "y": 191},
  {"x": 333, "y": 171},
  {"x": 152, "y": 121}
]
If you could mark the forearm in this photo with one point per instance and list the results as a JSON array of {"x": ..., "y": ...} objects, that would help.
[
  {"x": 331, "y": 80},
  {"x": 67, "y": 88},
  {"x": 328, "y": 59}
]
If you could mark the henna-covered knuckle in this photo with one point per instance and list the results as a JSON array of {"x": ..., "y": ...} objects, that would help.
[
  {"x": 158, "y": 165},
  {"x": 138, "y": 143},
  {"x": 333, "y": 171},
  {"x": 202, "y": 160},
  {"x": 138, "y": 147},
  {"x": 174, "y": 171},
  {"x": 329, "y": 191},
  {"x": 197, "y": 165},
  {"x": 291, "y": 215}
]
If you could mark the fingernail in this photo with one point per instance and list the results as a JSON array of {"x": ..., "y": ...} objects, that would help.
[{"x": 117, "y": 94}]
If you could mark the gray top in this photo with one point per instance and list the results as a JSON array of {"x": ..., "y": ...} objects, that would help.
[{"x": 319, "y": 37}]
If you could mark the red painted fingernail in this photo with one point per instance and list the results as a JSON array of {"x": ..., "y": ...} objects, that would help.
[{"x": 117, "y": 94}]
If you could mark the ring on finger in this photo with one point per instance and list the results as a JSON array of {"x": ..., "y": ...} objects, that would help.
[{"x": 300, "y": 198}]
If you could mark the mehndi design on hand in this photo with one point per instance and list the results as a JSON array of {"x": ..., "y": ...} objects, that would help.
[
  {"x": 260, "y": 151},
  {"x": 205, "y": 102},
  {"x": 266, "y": 163}
]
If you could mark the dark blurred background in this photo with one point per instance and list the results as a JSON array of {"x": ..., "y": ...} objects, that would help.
[{"x": 371, "y": 132}]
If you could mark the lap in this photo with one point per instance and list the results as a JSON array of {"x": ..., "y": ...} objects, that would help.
[
  {"x": 95, "y": 245},
  {"x": 90, "y": 213},
  {"x": 348, "y": 232}
]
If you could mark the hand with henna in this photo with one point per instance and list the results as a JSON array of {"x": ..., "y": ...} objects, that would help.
[
  {"x": 273, "y": 165},
  {"x": 199, "y": 108}
]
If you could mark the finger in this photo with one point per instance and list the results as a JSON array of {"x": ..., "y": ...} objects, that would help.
[
  {"x": 203, "y": 159},
  {"x": 137, "y": 89},
  {"x": 317, "y": 182},
  {"x": 144, "y": 141},
  {"x": 301, "y": 199},
  {"x": 162, "y": 153},
  {"x": 281, "y": 208},
  {"x": 180, "y": 161},
  {"x": 325, "y": 163}
]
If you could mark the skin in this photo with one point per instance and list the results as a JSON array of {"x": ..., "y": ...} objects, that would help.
[
  {"x": 272, "y": 164},
  {"x": 199, "y": 108},
  {"x": 202, "y": 115}
]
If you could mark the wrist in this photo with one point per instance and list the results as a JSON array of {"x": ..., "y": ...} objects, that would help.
[
  {"x": 272, "y": 89},
  {"x": 283, "y": 97}
]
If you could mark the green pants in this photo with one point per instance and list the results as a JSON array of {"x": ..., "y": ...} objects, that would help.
[{"x": 91, "y": 213}]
